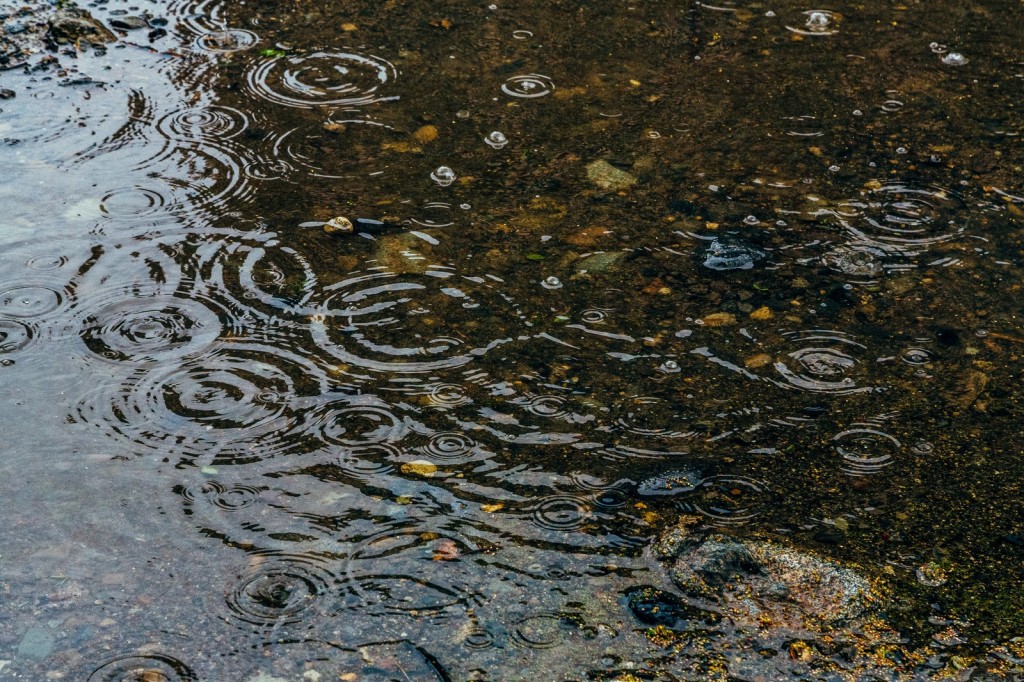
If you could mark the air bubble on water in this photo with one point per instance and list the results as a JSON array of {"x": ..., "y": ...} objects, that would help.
[
  {"x": 833, "y": 168},
  {"x": 781, "y": 223},
  {"x": 462, "y": 114},
  {"x": 496, "y": 139},
  {"x": 443, "y": 175},
  {"x": 670, "y": 366},
  {"x": 769, "y": 13},
  {"x": 955, "y": 59},
  {"x": 901, "y": 150},
  {"x": 981, "y": 333},
  {"x": 751, "y": 220},
  {"x": 465, "y": 207},
  {"x": 858, "y": 112},
  {"x": 653, "y": 134},
  {"x": 938, "y": 48},
  {"x": 817, "y": 21},
  {"x": 552, "y": 282}
]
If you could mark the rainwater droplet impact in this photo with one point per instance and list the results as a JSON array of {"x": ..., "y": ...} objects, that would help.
[
  {"x": 522, "y": 34},
  {"x": 552, "y": 283},
  {"x": 955, "y": 59},
  {"x": 917, "y": 356},
  {"x": 443, "y": 176},
  {"x": 938, "y": 48},
  {"x": 496, "y": 139},
  {"x": 29, "y": 301},
  {"x": 528, "y": 86},
  {"x": 923, "y": 447},
  {"x": 865, "y": 451},
  {"x": 228, "y": 40},
  {"x": 322, "y": 79},
  {"x": 14, "y": 336},
  {"x": 278, "y": 589}
]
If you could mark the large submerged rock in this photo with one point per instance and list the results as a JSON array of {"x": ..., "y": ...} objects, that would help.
[{"x": 763, "y": 584}]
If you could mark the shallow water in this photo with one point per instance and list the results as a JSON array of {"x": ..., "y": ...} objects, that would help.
[{"x": 754, "y": 262}]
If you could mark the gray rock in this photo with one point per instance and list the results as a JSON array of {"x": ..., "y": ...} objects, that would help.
[{"x": 36, "y": 643}]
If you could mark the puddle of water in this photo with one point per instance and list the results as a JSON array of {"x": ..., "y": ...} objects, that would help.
[{"x": 604, "y": 270}]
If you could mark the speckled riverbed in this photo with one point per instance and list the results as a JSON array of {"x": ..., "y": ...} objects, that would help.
[{"x": 513, "y": 341}]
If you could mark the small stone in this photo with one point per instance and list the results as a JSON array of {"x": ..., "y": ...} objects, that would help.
[
  {"x": 129, "y": 23},
  {"x": 757, "y": 361},
  {"x": 719, "y": 320},
  {"x": 427, "y": 133},
  {"x": 932, "y": 574},
  {"x": 762, "y": 313},
  {"x": 348, "y": 28},
  {"x": 338, "y": 225},
  {"x": 420, "y": 467},
  {"x": 7, "y": 94},
  {"x": 607, "y": 176}
]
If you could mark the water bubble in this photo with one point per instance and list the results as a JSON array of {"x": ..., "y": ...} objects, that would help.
[
  {"x": 496, "y": 139},
  {"x": 981, "y": 333},
  {"x": 938, "y": 48},
  {"x": 443, "y": 176},
  {"x": 858, "y": 112},
  {"x": 817, "y": 23},
  {"x": 670, "y": 366},
  {"x": 462, "y": 114},
  {"x": 901, "y": 150},
  {"x": 751, "y": 220},
  {"x": 955, "y": 59},
  {"x": 552, "y": 282},
  {"x": 528, "y": 86},
  {"x": 917, "y": 356}
]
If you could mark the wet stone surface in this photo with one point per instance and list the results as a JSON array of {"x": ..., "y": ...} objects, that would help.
[{"x": 538, "y": 340}]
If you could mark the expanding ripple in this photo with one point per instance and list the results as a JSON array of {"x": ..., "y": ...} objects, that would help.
[
  {"x": 29, "y": 301},
  {"x": 865, "y": 449},
  {"x": 816, "y": 22},
  {"x": 528, "y": 86},
  {"x": 229, "y": 406},
  {"x": 729, "y": 499},
  {"x": 384, "y": 321},
  {"x": 822, "y": 362},
  {"x": 903, "y": 216},
  {"x": 279, "y": 589},
  {"x": 209, "y": 124},
  {"x": 14, "y": 336},
  {"x": 142, "y": 668},
  {"x": 150, "y": 329},
  {"x": 322, "y": 79}
]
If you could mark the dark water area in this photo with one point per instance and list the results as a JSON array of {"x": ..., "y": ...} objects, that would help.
[{"x": 643, "y": 341}]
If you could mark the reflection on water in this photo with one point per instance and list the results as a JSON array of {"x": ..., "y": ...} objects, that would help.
[{"x": 748, "y": 266}]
